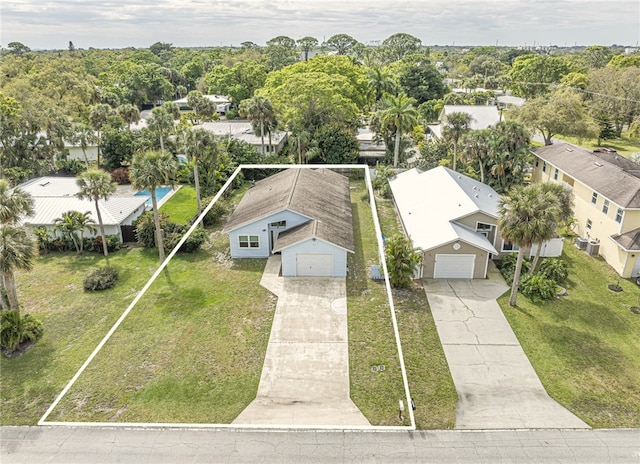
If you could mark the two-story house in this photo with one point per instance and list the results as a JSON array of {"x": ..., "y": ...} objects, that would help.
[{"x": 606, "y": 188}]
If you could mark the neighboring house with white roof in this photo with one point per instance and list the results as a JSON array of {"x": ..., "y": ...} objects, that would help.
[
  {"x": 242, "y": 130},
  {"x": 54, "y": 196},
  {"x": 372, "y": 149},
  {"x": 453, "y": 219},
  {"x": 481, "y": 117},
  {"x": 222, "y": 103},
  {"x": 303, "y": 214},
  {"x": 606, "y": 191}
]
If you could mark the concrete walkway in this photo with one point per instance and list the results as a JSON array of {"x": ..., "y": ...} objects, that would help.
[
  {"x": 305, "y": 377},
  {"x": 496, "y": 384}
]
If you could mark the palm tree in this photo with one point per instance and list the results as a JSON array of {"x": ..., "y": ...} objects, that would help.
[
  {"x": 197, "y": 144},
  {"x": 72, "y": 224},
  {"x": 149, "y": 170},
  {"x": 13, "y": 203},
  {"x": 130, "y": 113},
  {"x": 398, "y": 112},
  {"x": 162, "y": 123},
  {"x": 560, "y": 200},
  {"x": 98, "y": 117},
  {"x": 379, "y": 82},
  {"x": 522, "y": 222},
  {"x": 475, "y": 147},
  {"x": 83, "y": 135},
  {"x": 17, "y": 251},
  {"x": 259, "y": 110},
  {"x": 94, "y": 185},
  {"x": 456, "y": 125}
]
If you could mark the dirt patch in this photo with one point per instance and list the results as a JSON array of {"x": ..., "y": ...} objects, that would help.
[{"x": 21, "y": 349}]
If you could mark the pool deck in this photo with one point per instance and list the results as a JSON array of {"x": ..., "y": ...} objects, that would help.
[{"x": 129, "y": 191}]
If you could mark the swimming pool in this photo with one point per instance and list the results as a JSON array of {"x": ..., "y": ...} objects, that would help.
[{"x": 161, "y": 192}]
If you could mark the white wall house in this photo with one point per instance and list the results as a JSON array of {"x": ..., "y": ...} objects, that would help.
[
  {"x": 482, "y": 116},
  {"x": 304, "y": 214},
  {"x": 453, "y": 219},
  {"x": 54, "y": 196},
  {"x": 242, "y": 130}
]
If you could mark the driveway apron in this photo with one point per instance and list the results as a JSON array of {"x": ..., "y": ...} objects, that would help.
[
  {"x": 305, "y": 376},
  {"x": 496, "y": 384}
]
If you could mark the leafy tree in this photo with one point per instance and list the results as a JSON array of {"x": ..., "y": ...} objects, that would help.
[
  {"x": 422, "y": 82},
  {"x": 508, "y": 157},
  {"x": 397, "y": 46},
  {"x": 202, "y": 106},
  {"x": 341, "y": 43},
  {"x": 596, "y": 56},
  {"x": 72, "y": 224},
  {"x": 95, "y": 184},
  {"x": 149, "y": 170},
  {"x": 260, "y": 111},
  {"x": 238, "y": 82},
  {"x": 307, "y": 44},
  {"x": 398, "y": 112},
  {"x": 520, "y": 222},
  {"x": 117, "y": 147},
  {"x": 562, "y": 112},
  {"x": 402, "y": 259},
  {"x": 280, "y": 52},
  {"x": 17, "y": 48},
  {"x": 337, "y": 144},
  {"x": 531, "y": 75},
  {"x": 432, "y": 153},
  {"x": 614, "y": 93},
  {"x": 455, "y": 126}
]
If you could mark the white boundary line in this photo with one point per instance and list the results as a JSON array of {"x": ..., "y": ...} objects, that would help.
[{"x": 43, "y": 419}]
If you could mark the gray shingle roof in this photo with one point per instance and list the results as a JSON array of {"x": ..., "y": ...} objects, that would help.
[
  {"x": 319, "y": 194},
  {"x": 604, "y": 174},
  {"x": 629, "y": 240}
]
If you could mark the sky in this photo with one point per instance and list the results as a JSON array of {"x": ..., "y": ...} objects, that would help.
[{"x": 51, "y": 24}]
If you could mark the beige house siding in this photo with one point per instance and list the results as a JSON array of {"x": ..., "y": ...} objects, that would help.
[
  {"x": 429, "y": 258},
  {"x": 603, "y": 225},
  {"x": 472, "y": 220}
]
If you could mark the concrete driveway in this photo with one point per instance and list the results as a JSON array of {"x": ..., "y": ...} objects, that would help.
[
  {"x": 496, "y": 384},
  {"x": 305, "y": 377}
]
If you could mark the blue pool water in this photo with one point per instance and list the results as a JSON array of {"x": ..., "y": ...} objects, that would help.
[{"x": 160, "y": 193}]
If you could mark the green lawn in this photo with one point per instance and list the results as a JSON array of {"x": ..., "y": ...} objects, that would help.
[
  {"x": 372, "y": 342},
  {"x": 585, "y": 347},
  {"x": 182, "y": 205},
  {"x": 623, "y": 145}
]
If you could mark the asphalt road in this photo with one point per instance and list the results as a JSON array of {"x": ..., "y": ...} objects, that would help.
[{"x": 97, "y": 445}]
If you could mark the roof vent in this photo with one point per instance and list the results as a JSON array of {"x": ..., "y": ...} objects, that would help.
[
  {"x": 597, "y": 164},
  {"x": 476, "y": 195},
  {"x": 490, "y": 195},
  {"x": 569, "y": 149}
]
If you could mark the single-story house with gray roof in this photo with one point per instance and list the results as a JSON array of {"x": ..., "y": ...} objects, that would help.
[{"x": 304, "y": 214}]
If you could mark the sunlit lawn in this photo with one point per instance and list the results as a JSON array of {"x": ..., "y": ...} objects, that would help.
[
  {"x": 585, "y": 347},
  {"x": 624, "y": 145},
  {"x": 182, "y": 205}
]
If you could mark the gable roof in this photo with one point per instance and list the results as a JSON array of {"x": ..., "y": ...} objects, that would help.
[
  {"x": 483, "y": 116},
  {"x": 319, "y": 194},
  {"x": 431, "y": 202},
  {"x": 605, "y": 173},
  {"x": 54, "y": 196},
  {"x": 629, "y": 241}
]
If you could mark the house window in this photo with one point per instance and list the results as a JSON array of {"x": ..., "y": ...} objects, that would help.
[
  {"x": 594, "y": 198},
  {"x": 508, "y": 246},
  {"x": 589, "y": 223},
  {"x": 544, "y": 166},
  {"x": 555, "y": 174},
  {"x": 537, "y": 162},
  {"x": 619, "y": 215},
  {"x": 483, "y": 226},
  {"x": 249, "y": 241},
  {"x": 605, "y": 207},
  {"x": 278, "y": 225}
]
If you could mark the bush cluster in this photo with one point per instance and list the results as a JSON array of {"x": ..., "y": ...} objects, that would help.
[
  {"x": 15, "y": 329},
  {"x": 541, "y": 285},
  {"x": 101, "y": 279},
  {"x": 120, "y": 176},
  {"x": 48, "y": 242},
  {"x": 216, "y": 213},
  {"x": 145, "y": 232}
]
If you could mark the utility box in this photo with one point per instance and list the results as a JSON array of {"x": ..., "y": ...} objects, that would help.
[{"x": 593, "y": 247}]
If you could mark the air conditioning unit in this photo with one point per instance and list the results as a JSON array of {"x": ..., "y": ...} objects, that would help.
[
  {"x": 593, "y": 247},
  {"x": 581, "y": 243}
]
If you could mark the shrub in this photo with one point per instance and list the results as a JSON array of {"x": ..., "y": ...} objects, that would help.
[
  {"x": 43, "y": 239},
  {"x": 554, "y": 269},
  {"x": 402, "y": 259},
  {"x": 113, "y": 243},
  {"x": 216, "y": 213},
  {"x": 120, "y": 176},
  {"x": 15, "y": 329},
  {"x": 194, "y": 242},
  {"x": 537, "y": 287},
  {"x": 101, "y": 279},
  {"x": 231, "y": 114},
  {"x": 72, "y": 167},
  {"x": 146, "y": 229},
  {"x": 507, "y": 266}
]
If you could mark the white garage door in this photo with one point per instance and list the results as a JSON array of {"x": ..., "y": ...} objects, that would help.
[
  {"x": 314, "y": 265},
  {"x": 454, "y": 266}
]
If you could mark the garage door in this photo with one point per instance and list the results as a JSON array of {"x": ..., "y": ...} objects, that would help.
[
  {"x": 454, "y": 266},
  {"x": 314, "y": 265}
]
